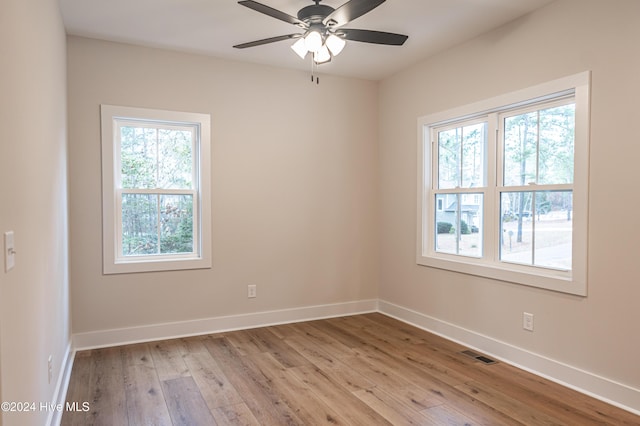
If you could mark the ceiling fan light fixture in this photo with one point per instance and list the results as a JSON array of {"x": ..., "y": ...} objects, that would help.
[
  {"x": 323, "y": 55},
  {"x": 323, "y": 29},
  {"x": 313, "y": 41},
  {"x": 300, "y": 48},
  {"x": 335, "y": 44}
]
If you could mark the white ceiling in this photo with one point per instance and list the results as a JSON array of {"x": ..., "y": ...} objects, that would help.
[{"x": 212, "y": 27}]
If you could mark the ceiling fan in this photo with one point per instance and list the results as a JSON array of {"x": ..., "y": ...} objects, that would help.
[{"x": 323, "y": 35}]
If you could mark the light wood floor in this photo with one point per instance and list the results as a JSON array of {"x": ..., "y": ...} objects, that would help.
[{"x": 359, "y": 370}]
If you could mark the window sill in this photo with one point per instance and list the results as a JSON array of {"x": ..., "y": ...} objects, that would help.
[
  {"x": 160, "y": 265},
  {"x": 548, "y": 279}
]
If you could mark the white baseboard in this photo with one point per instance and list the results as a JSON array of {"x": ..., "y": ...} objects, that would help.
[
  {"x": 147, "y": 333},
  {"x": 609, "y": 391},
  {"x": 62, "y": 384}
]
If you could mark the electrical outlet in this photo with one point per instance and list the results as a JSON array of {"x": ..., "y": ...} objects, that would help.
[
  {"x": 527, "y": 321},
  {"x": 251, "y": 291},
  {"x": 50, "y": 368}
]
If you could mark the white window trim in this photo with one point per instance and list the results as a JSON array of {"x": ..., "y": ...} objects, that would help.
[
  {"x": 573, "y": 282},
  {"x": 114, "y": 264}
]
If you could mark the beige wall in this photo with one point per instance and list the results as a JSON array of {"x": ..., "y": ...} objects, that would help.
[
  {"x": 294, "y": 181},
  {"x": 34, "y": 297},
  {"x": 598, "y": 333}
]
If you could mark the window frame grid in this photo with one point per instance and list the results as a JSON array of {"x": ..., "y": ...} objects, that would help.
[
  {"x": 112, "y": 192},
  {"x": 556, "y": 91},
  {"x": 194, "y": 130}
]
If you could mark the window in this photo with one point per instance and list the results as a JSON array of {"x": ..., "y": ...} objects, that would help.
[
  {"x": 155, "y": 191},
  {"x": 503, "y": 187}
]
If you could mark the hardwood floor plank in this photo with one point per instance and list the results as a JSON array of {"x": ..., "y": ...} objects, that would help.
[
  {"x": 517, "y": 410},
  {"x": 283, "y": 330},
  {"x": 268, "y": 367},
  {"x": 571, "y": 405},
  {"x": 343, "y": 336},
  {"x": 306, "y": 404},
  {"x": 381, "y": 347},
  {"x": 447, "y": 355},
  {"x": 320, "y": 339},
  {"x": 562, "y": 403},
  {"x": 168, "y": 360},
  {"x": 186, "y": 405},
  {"x": 266, "y": 407},
  {"x": 216, "y": 389},
  {"x": 294, "y": 393},
  {"x": 445, "y": 415},
  {"x": 79, "y": 388},
  {"x": 107, "y": 395},
  {"x": 194, "y": 344},
  {"x": 145, "y": 401},
  {"x": 335, "y": 368},
  {"x": 416, "y": 397},
  {"x": 395, "y": 410},
  {"x": 342, "y": 401},
  {"x": 235, "y": 415},
  {"x": 377, "y": 372},
  {"x": 406, "y": 363},
  {"x": 471, "y": 407},
  {"x": 361, "y": 370},
  {"x": 278, "y": 348},
  {"x": 244, "y": 342}
]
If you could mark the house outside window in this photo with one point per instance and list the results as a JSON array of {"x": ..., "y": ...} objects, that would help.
[
  {"x": 155, "y": 190},
  {"x": 503, "y": 187}
]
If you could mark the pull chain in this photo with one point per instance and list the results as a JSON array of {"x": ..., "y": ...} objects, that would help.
[{"x": 314, "y": 66}]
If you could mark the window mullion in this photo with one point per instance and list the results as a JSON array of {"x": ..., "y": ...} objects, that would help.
[
  {"x": 118, "y": 230},
  {"x": 533, "y": 187},
  {"x": 434, "y": 159},
  {"x": 459, "y": 220},
  {"x": 159, "y": 223},
  {"x": 460, "y": 160},
  {"x": 492, "y": 202}
]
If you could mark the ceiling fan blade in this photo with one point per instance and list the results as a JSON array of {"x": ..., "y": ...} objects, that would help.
[
  {"x": 375, "y": 37},
  {"x": 267, "y": 40},
  {"x": 349, "y": 11},
  {"x": 274, "y": 13}
]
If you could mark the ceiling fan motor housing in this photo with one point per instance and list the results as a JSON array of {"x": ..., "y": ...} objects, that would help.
[{"x": 314, "y": 14}]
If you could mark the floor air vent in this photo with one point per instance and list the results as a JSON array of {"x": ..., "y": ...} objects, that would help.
[{"x": 481, "y": 358}]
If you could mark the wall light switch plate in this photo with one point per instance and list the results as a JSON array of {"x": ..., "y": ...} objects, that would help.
[
  {"x": 527, "y": 321},
  {"x": 9, "y": 252},
  {"x": 251, "y": 291}
]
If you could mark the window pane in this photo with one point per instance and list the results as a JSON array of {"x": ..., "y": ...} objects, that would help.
[
  {"x": 138, "y": 150},
  {"x": 540, "y": 236},
  {"x": 461, "y": 153},
  {"x": 175, "y": 159},
  {"x": 553, "y": 229},
  {"x": 557, "y": 129},
  {"x": 459, "y": 229},
  {"x": 516, "y": 227},
  {"x": 471, "y": 225},
  {"x": 446, "y": 223},
  {"x": 449, "y": 142},
  {"x": 176, "y": 218},
  {"x": 473, "y": 143},
  {"x": 520, "y": 149},
  {"x": 139, "y": 224}
]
